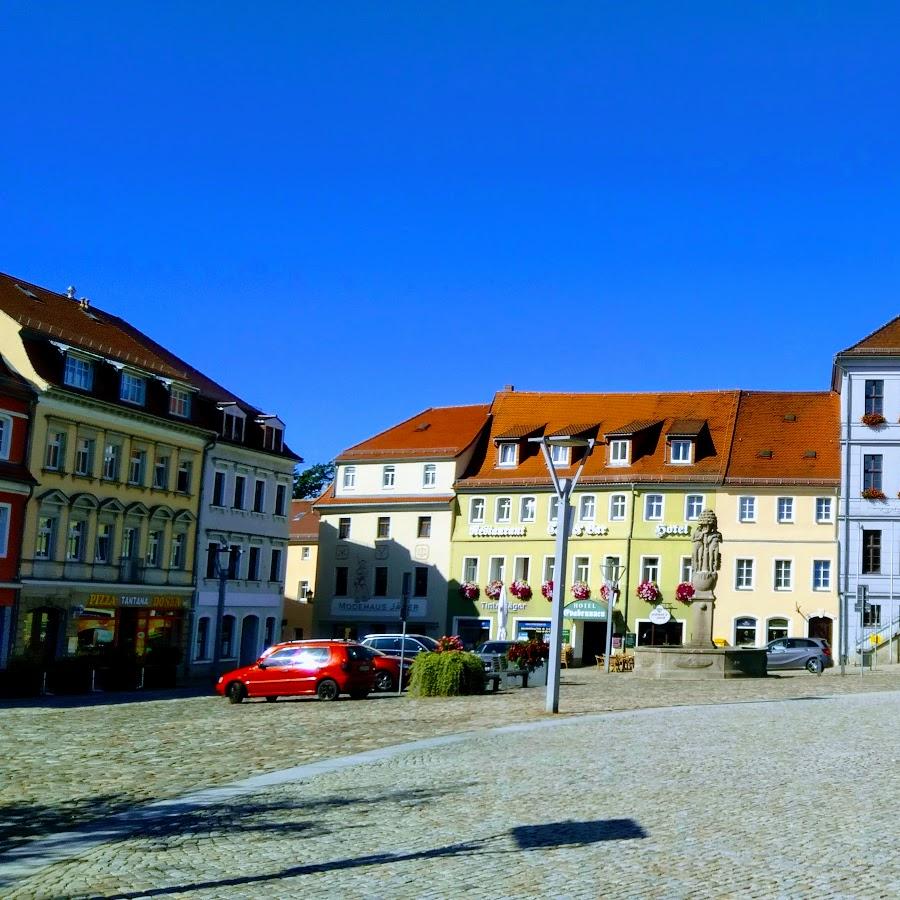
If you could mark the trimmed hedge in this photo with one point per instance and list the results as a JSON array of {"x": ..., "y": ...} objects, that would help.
[{"x": 446, "y": 674}]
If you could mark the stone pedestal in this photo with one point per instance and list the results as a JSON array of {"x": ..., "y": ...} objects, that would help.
[
  {"x": 701, "y": 620},
  {"x": 698, "y": 663}
]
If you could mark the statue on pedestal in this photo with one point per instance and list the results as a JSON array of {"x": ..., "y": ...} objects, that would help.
[{"x": 706, "y": 560}]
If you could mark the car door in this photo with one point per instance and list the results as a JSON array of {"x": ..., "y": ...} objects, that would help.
[
  {"x": 306, "y": 669},
  {"x": 776, "y": 654},
  {"x": 270, "y": 676},
  {"x": 796, "y": 653}
]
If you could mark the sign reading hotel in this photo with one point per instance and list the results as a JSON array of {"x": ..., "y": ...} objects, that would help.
[{"x": 666, "y": 530}]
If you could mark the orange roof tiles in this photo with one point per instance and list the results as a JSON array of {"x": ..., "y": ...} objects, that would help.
[
  {"x": 328, "y": 499},
  {"x": 884, "y": 339},
  {"x": 304, "y": 525}
]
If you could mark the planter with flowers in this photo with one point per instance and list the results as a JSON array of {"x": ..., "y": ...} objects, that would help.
[
  {"x": 528, "y": 654},
  {"x": 580, "y": 590},
  {"x": 872, "y": 493},
  {"x": 447, "y": 643},
  {"x": 684, "y": 592},
  {"x": 604, "y": 593},
  {"x": 469, "y": 590},
  {"x": 873, "y": 419},
  {"x": 494, "y": 589},
  {"x": 520, "y": 589},
  {"x": 649, "y": 591},
  {"x": 547, "y": 590}
]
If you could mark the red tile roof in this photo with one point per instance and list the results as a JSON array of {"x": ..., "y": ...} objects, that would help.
[
  {"x": 883, "y": 339},
  {"x": 328, "y": 499},
  {"x": 304, "y": 525}
]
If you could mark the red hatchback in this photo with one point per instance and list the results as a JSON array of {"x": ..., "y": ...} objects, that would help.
[{"x": 324, "y": 668}]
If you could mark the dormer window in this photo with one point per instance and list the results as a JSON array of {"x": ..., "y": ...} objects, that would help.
[
  {"x": 681, "y": 452},
  {"x": 619, "y": 452},
  {"x": 273, "y": 433},
  {"x": 133, "y": 389},
  {"x": 179, "y": 402},
  {"x": 79, "y": 372},
  {"x": 508, "y": 454},
  {"x": 560, "y": 454},
  {"x": 233, "y": 418}
]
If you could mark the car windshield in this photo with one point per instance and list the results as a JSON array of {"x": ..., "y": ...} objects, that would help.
[{"x": 493, "y": 647}]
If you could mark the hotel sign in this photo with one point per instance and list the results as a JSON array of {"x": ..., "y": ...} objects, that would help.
[
  {"x": 585, "y": 609},
  {"x": 666, "y": 530}
]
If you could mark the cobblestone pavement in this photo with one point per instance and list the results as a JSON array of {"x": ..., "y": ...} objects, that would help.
[{"x": 733, "y": 798}]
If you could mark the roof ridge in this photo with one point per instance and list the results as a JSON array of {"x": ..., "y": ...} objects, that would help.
[{"x": 870, "y": 335}]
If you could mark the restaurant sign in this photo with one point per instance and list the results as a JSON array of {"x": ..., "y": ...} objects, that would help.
[
  {"x": 114, "y": 601},
  {"x": 585, "y": 609},
  {"x": 485, "y": 531}
]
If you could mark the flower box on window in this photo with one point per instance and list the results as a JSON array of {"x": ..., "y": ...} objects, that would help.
[
  {"x": 684, "y": 592},
  {"x": 872, "y": 493},
  {"x": 520, "y": 589},
  {"x": 580, "y": 590},
  {"x": 604, "y": 592},
  {"x": 469, "y": 590},
  {"x": 873, "y": 420},
  {"x": 648, "y": 591},
  {"x": 493, "y": 589},
  {"x": 547, "y": 589}
]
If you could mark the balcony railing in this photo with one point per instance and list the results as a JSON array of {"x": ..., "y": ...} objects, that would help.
[{"x": 126, "y": 571}]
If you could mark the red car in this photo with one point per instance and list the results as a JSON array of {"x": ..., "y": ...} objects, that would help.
[
  {"x": 324, "y": 668},
  {"x": 387, "y": 670}
]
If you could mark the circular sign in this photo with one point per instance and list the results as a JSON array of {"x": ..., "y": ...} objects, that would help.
[{"x": 659, "y": 615}]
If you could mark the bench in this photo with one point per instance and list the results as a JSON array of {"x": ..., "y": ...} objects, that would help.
[{"x": 495, "y": 677}]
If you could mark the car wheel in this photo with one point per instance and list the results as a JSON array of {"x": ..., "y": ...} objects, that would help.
[
  {"x": 358, "y": 695},
  {"x": 271, "y": 699},
  {"x": 383, "y": 681},
  {"x": 328, "y": 690},
  {"x": 236, "y": 692},
  {"x": 814, "y": 665}
]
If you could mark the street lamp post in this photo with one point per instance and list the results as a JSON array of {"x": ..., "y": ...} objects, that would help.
[
  {"x": 222, "y": 561},
  {"x": 564, "y": 488},
  {"x": 613, "y": 576}
]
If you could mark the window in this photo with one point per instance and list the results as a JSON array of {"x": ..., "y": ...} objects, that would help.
[
  {"x": 581, "y": 570},
  {"x": 507, "y": 454},
  {"x": 553, "y": 510},
  {"x": 154, "y": 548},
  {"x": 776, "y": 629},
  {"x": 303, "y": 590},
  {"x": 611, "y": 568},
  {"x": 745, "y": 632},
  {"x": 84, "y": 457},
  {"x": 233, "y": 423},
  {"x": 133, "y": 389},
  {"x": 273, "y": 437},
  {"x": 129, "y": 542},
  {"x": 280, "y": 499},
  {"x": 617, "y": 508},
  {"x": 388, "y": 476},
  {"x": 349, "y": 480},
  {"x": 381, "y": 581},
  {"x": 177, "y": 556},
  {"x": 549, "y": 568},
  {"x": 476, "y": 509},
  {"x": 218, "y": 498},
  {"x": 56, "y": 450},
  {"x": 226, "y": 650},
  {"x": 821, "y": 574},
  {"x": 785, "y": 509},
  {"x": 687, "y": 569},
  {"x": 872, "y": 471},
  {"x": 75, "y": 542},
  {"x": 424, "y": 529},
  {"x": 305, "y": 552},
  {"x": 747, "y": 509},
  {"x": 743, "y": 578},
  {"x": 874, "y": 397},
  {"x": 527, "y": 509},
  {"x": 470, "y": 568},
  {"x": 212, "y": 559},
  {"x": 653, "y": 507},
  {"x": 259, "y": 496},
  {"x": 344, "y": 528},
  {"x": 161, "y": 473},
  {"x": 136, "y": 466},
  {"x": 270, "y": 631},
  {"x": 680, "y": 452},
  {"x": 650, "y": 569},
  {"x": 420, "y": 586},
  {"x": 104, "y": 542},
  {"x": 872, "y": 615},
  {"x": 871, "y": 552},
  {"x": 559, "y": 455},
  {"x": 522, "y": 568},
  {"x": 618, "y": 453},
  {"x": 824, "y": 510},
  {"x": 234, "y": 562},
  {"x": 239, "y": 483},
  {"x": 200, "y": 648},
  {"x": 693, "y": 506},
  {"x": 6, "y": 426},
  {"x": 497, "y": 569},
  {"x": 504, "y": 509},
  {"x": 783, "y": 575},
  {"x": 253, "y": 564},
  {"x": 45, "y": 535},
  {"x": 429, "y": 475},
  {"x": 587, "y": 508},
  {"x": 179, "y": 402},
  {"x": 183, "y": 481},
  {"x": 383, "y": 529},
  {"x": 111, "y": 455},
  {"x": 79, "y": 373}
]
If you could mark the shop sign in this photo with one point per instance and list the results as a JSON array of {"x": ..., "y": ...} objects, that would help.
[
  {"x": 582, "y": 530},
  {"x": 666, "y": 530},
  {"x": 512, "y": 607},
  {"x": 113, "y": 601},
  {"x": 659, "y": 615},
  {"x": 345, "y": 608},
  {"x": 630, "y": 640},
  {"x": 523, "y": 626},
  {"x": 485, "y": 531},
  {"x": 566, "y": 636},
  {"x": 585, "y": 609}
]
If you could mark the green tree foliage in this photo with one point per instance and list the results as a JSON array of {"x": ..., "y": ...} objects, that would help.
[
  {"x": 447, "y": 674},
  {"x": 309, "y": 482}
]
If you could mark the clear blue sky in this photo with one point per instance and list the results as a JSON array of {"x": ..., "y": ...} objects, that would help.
[{"x": 348, "y": 212}]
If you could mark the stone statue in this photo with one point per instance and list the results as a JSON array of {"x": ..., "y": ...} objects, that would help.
[{"x": 706, "y": 557}]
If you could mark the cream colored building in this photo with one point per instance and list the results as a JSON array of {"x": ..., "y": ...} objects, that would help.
[{"x": 300, "y": 572}]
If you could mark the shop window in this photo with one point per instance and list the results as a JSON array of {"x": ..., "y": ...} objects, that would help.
[
  {"x": 776, "y": 629},
  {"x": 227, "y": 647},
  {"x": 745, "y": 632}
]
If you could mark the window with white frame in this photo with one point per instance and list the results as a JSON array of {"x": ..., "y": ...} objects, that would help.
[
  {"x": 177, "y": 556},
  {"x": 349, "y": 478},
  {"x": 103, "y": 551},
  {"x": 784, "y": 574},
  {"x": 75, "y": 542},
  {"x": 507, "y": 454},
  {"x": 824, "y": 510},
  {"x": 618, "y": 452},
  {"x": 133, "y": 389},
  {"x": 743, "y": 574},
  {"x": 429, "y": 475},
  {"x": 553, "y": 510},
  {"x": 497, "y": 568},
  {"x": 776, "y": 629},
  {"x": 680, "y": 451},
  {"x": 747, "y": 509},
  {"x": 693, "y": 506},
  {"x": 154, "y": 548},
  {"x": 388, "y": 476},
  {"x": 560, "y": 454},
  {"x": 79, "y": 373},
  {"x": 183, "y": 477},
  {"x": 653, "y": 507},
  {"x": 303, "y": 590},
  {"x": 112, "y": 453},
  {"x": 650, "y": 569},
  {"x": 383, "y": 529},
  {"x": 136, "y": 464},
  {"x": 549, "y": 568},
  {"x": 476, "y": 509},
  {"x": 527, "y": 509},
  {"x": 470, "y": 569},
  {"x": 522, "y": 568},
  {"x": 130, "y": 538},
  {"x": 305, "y": 552},
  {"x": 179, "y": 402},
  {"x": 821, "y": 574},
  {"x": 611, "y": 567},
  {"x": 5, "y": 513},
  {"x": 46, "y": 533},
  {"x": 504, "y": 509},
  {"x": 344, "y": 528},
  {"x": 84, "y": 457},
  {"x": 587, "y": 508},
  {"x": 6, "y": 428},
  {"x": 581, "y": 570},
  {"x": 161, "y": 473},
  {"x": 785, "y": 509},
  {"x": 745, "y": 632},
  {"x": 617, "y": 508},
  {"x": 233, "y": 419},
  {"x": 55, "y": 456},
  {"x": 687, "y": 569}
]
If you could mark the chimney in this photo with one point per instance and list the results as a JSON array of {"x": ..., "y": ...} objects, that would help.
[
  {"x": 85, "y": 303},
  {"x": 70, "y": 291},
  {"x": 509, "y": 387}
]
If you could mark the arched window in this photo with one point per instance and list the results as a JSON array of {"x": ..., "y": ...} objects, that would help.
[
  {"x": 745, "y": 632},
  {"x": 775, "y": 629}
]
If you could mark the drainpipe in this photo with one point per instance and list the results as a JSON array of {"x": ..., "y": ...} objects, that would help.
[
  {"x": 628, "y": 561},
  {"x": 843, "y": 612}
]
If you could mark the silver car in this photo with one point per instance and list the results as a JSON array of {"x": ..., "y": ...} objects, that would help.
[{"x": 812, "y": 654}]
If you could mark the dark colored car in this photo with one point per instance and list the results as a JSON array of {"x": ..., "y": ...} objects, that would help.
[
  {"x": 325, "y": 669},
  {"x": 390, "y": 644},
  {"x": 812, "y": 654}
]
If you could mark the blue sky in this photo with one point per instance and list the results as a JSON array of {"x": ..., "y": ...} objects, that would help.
[{"x": 349, "y": 212}]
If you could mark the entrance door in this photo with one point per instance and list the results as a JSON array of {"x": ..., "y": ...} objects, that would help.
[
  {"x": 249, "y": 640},
  {"x": 669, "y": 635},
  {"x": 593, "y": 642},
  {"x": 820, "y": 627}
]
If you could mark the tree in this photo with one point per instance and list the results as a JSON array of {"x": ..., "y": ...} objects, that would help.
[{"x": 309, "y": 482}]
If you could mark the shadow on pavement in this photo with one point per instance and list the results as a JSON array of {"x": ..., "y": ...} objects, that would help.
[
  {"x": 568, "y": 833},
  {"x": 113, "y": 698}
]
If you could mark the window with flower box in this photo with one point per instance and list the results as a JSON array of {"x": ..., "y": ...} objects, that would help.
[
  {"x": 521, "y": 568},
  {"x": 872, "y": 466},
  {"x": 611, "y": 567},
  {"x": 687, "y": 569},
  {"x": 650, "y": 569},
  {"x": 874, "y": 396},
  {"x": 549, "y": 568},
  {"x": 581, "y": 570},
  {"x": 497, "y": 568},
  {"x": 470, "y": 569}
]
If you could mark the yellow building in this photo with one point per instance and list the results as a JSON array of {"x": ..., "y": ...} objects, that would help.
[{"x": 300, "y": 571}]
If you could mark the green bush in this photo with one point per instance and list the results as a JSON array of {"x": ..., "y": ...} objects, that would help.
[{"x": 446, "y": 674}]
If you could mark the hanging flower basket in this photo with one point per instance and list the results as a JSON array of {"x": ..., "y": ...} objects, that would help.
[
  {"x": 493, "y": 589},
  {"x": 520, "y": 589},
  {"x": 684, "y": 592},
  {"x": 873, "y": 420},
  {"x": 469, "y": 590},
  {"x": 604, "y": 592},
  {"x": 580, "y": 590},
  {"x": 547, "y": 589},
  {"x": 873, "y": 494},
  {"x": 647, "y": 590},
  {"x": 448, "y": 643}
]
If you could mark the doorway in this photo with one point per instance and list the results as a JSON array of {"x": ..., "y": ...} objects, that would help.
[
  {"x": 593, "y": 642},
  {"x": 249, "y": 640},
  {"x": 820, "y": 627},
  {"x": 669, "y": 635}
]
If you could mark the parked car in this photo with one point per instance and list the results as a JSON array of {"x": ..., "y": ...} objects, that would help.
[
  {"x": 813, "y": 654},
  {"x": 387, "y": 669},
  {"x": 491, "y": 651},
  {"x": 326, "y": 669},
  {"x": 390, "y": 644}
]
